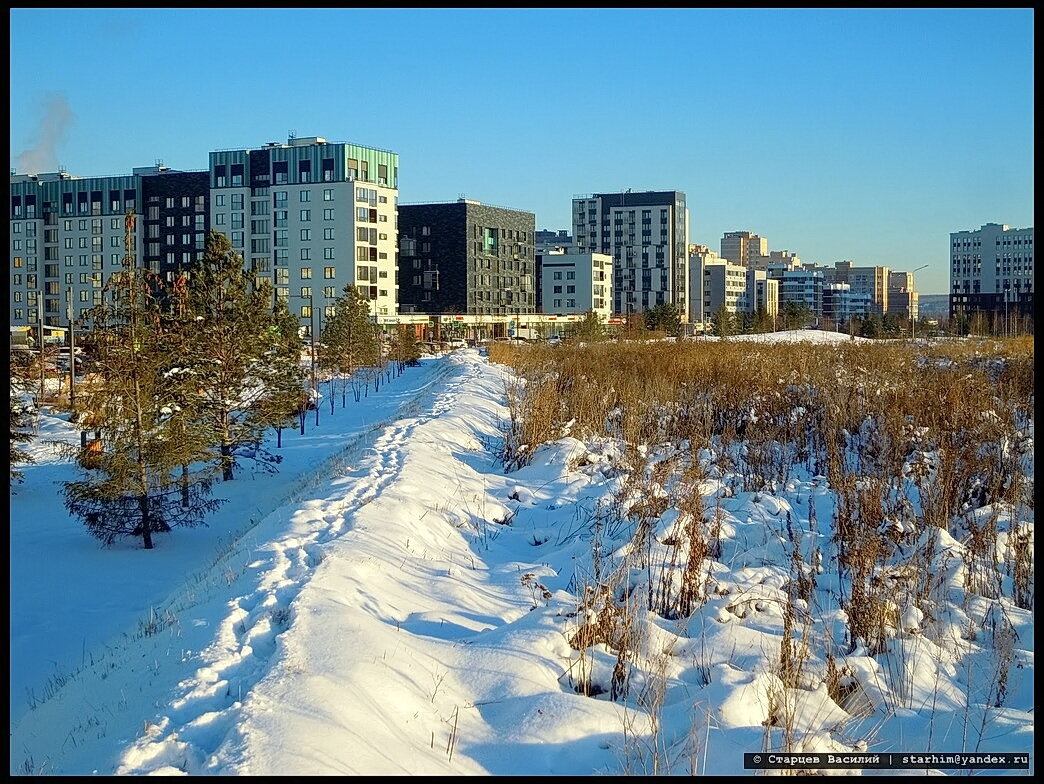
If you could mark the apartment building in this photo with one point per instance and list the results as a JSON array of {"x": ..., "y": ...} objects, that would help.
[
  {"x": 573, "y": 282},
  {"x": 744, "y": 248},
  {"x": 715, "y": 282},
  {"x": 313, "y": 217},
  {"x": 466, "y": 257},
  {"x": 68, "y": 235},
  {"x": 991, "y": 270},
  {"x": 872, "y": 281},
  {"x": 552, "y": 240},
  {"x": 647, "y": 235}
]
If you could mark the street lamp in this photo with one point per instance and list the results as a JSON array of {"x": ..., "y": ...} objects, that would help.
[{"x": 913, "y": 320}]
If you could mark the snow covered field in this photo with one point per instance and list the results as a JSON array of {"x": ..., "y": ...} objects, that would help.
[{"x": 391, "y": 602}]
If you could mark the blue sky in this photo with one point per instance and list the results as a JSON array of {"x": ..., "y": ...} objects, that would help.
[{"x": 837, "y": 134}]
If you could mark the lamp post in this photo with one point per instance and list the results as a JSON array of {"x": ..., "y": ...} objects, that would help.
[{"x": 913, "y": 319}]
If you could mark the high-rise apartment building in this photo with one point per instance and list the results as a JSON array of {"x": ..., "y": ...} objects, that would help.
[
  {"x": 991, "y": 270},
  {"x": 67, "y": 235},
  {"x": 313, "y": 217},
  {"x": 744, "y": 248},
  {"x": 466, "y": 257},
  {"x": 647, "y": 234}
]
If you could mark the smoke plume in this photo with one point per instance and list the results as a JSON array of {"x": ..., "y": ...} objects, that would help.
[{"x": 42, "y": 156}]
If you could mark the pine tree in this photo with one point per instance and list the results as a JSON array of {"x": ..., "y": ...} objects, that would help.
[
  {"x": 664, "y": 317},
  {"x": 21, "y": 412},
  {"x": 404, "y": 350},
  {"x": 245, "y": 356},
  {"x": 590, "y": 327},
  {"x": 135, "y": 484},
  {"x": 724, "y": 322},
  {"x": 349, "y": 340}
]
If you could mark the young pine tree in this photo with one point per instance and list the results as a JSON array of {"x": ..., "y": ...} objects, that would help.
[
  {"x": 349, "y": 340},
  {"x": 135, "y": 485},
  {"x": 590, "y": 328},
  {"x": 244, "y": 355},
  {"x": 20, "y": 412}
]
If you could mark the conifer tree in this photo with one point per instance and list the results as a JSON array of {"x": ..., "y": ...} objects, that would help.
[
  {"x": 148, "y": 428},
  {"x": 590, "y": 327},
  {"x": 20, "y": 413},
  {"x": 245, "y": 356},
  {"x": 724, "y": 322},
  {"x": 664, "y": 317},
  {"x": 349, "y": 339}
]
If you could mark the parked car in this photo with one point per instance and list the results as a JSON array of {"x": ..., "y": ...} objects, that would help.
[{"x": 554, "y": 340}]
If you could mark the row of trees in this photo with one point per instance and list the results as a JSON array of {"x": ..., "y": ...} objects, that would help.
[{"x": 185, "y": 378}]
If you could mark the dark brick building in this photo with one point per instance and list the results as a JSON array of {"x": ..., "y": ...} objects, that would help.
[{"x": 466, "y": 257}]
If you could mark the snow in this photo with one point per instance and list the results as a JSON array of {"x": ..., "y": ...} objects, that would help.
[{"x": 393, "y": 602}]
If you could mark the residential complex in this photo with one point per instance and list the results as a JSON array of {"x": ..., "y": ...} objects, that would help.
[
  {"x": 466, "y": 257},
  {"x": 647, "y": 235},
  {"x": 311, "y": 216},
  {"x": 991, "y": 271}
]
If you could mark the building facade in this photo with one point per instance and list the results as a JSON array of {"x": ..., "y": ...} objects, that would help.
[
  {"x": 67, "y": 237},
  {"x": 647, "y": 235},
  {"x": 991, "y": 271},
  {"x": 466, "y": 257},
  {"x": 312, "y": 217},
  {"x": 744, "y": 248},
  {"x": 571, "y": 282}
]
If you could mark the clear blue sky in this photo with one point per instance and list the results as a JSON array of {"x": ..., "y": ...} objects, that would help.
[{"x": 837, "y": 134}]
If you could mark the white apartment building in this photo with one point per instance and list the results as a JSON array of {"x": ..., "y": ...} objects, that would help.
[
  {"x": 312, "y": 216},
  {"x": 991, "y": 269},
  {"x": 573, "y": 282},
  {"x": 715, "y": 282}
]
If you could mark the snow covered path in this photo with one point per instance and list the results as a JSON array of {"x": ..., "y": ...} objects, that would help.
[{"x": 389, "y": 655}]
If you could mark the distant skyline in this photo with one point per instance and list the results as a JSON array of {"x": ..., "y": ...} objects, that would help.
[{"x": 861, "y": 134}]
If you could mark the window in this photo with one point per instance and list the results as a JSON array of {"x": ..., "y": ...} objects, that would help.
[
  {"x": 558, "y": 290},
  {"x": 306, "y": 291},
  {"x": 362, "y": 234},
  {"x": 570, "y": 275},
  {"x": 328, "y": 253},
  {"x": 282, "y": 275},
  {"x": 306, "y": 235},
  {"x": 306, "y": 273},
  {"x": 558, "y": 276},
  {"x": 363, "y": 254},
  {"x": 237, "y": 239},
  {"x": 280, "y": 218},
  {"x": 306, "y": 215},
  {"x": 330, "y": 292},
  {"x": 170, "y": 202},
  {"x": 237, "y": 201},
  {"x": 306, "y": 196},
  {"x": 328, "y": 234},
  {"x": 362, "y": 214},
  {"x": 328, "y": 194},
  {"x": 329, "y": 272},
  {"x": 570, "y": 289},
  {"x": 328, "y": 214},
  {"x": 279, "y": 198},
  {"x": 306, "y": 254},
  {"x": 219, "y": 200}
]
